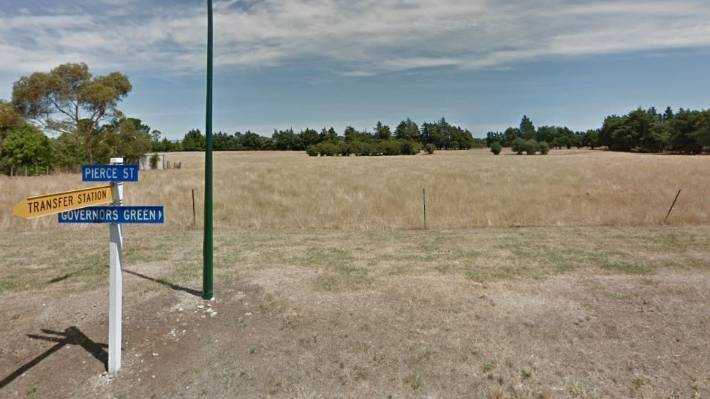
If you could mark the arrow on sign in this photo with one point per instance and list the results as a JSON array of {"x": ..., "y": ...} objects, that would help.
[{"x": 50, "y": 204}]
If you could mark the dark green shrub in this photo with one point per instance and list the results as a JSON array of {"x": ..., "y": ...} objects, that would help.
[
  {"x": 343, "y": 148},
  {"x": 25, "y": 146},
  {"x": 519, "y": 146},
  {"x": 390, "y": 147},
  {"x": 531, "y": 147},
  {"x": 327, "y": 149},
  {"x": 409, "y": 147},
  {"x": 312, "y": 150},
  {"x": 368, "y": 149},
  {"x": 356, "y": 147},
  {"x": 496, "y": 148},
  {"x": 429, "y": 148},
  {"x": 544, "y": 148}
]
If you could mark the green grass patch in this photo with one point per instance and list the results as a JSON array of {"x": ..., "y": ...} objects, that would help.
[{"x": 339, "y": 269}]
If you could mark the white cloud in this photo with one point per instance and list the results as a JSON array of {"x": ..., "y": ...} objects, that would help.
[{"x": 356, "y": 37}]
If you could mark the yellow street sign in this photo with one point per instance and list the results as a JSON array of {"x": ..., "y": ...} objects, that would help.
[{"x": 50, "y": 204}]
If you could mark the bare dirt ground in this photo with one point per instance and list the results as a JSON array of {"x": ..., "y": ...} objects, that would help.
[{"x": 594, "y": 312}]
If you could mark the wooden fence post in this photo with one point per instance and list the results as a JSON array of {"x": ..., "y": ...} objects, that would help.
[
  {"x": 424, "y": 203},
  {"x": 671, "y": 208}
]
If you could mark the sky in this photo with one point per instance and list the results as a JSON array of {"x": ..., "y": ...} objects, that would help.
[{"x": 481, "y": 64}]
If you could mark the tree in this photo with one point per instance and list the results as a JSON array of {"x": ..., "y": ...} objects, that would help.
[
  {"x": 123, "y": 138},
  {"x": 70, "y": 99},
  {"x": 254, "y": 142},
  {"x": 591, "y": 138},
  {"x": 495, "y": 137},
  {"x": 382, "y": 132},
  {"x": 640, "y": 124},
  {"x": 702, "y": 126},
  {"x": 193, "y": 141},
  {"x": 527, "y": 129},
  {"x": 510, "y": 135},
  {"x": 155, "y": 135},
  {"x": 139, "y": 125},
  {"x": 639, "y": 130},
  {"x": 309, "y": 137},
  {"x": 547, "y": 133},
  {"x": 445, "y": 136},
  {"x": 328, "y": 135},
  {"x": 407, "y": 130},
  {"x": 668, "y": 114},
  {"x": 68, "y": 151},
  {"x": 286, "y": 140},
  {"x": 683, "y": 132},
  {"x": 10, "y": 118},
  {"x": 25, "y": 146},
  {"x": 612, "y": 134}
]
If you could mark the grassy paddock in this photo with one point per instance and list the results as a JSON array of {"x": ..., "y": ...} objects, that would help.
[{"x": 289, "y": 190}]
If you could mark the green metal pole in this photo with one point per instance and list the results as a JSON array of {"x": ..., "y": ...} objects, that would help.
[{"x": 208, "y": 245}]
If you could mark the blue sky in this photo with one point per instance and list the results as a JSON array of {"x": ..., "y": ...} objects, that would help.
[{"x": 296, "y": 63}]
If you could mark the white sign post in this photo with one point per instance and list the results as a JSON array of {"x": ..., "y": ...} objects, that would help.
[
  {"x": 116, "y": 282},
  {"x": 77, "y": 206}
]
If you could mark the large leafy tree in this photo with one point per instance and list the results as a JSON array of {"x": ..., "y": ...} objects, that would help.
[
  {"x": 684, "y": 132},
  {"x": 407, "y": 130},
  {"x": 69, "y": 99}
]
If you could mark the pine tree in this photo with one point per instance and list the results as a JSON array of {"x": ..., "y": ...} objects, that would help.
[{"x": 527, "y": 129}]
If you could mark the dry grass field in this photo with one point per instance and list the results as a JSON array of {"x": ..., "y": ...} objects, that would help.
[
  {"x": 327, "y": 286},
  {"x": 465, "y": 189}
]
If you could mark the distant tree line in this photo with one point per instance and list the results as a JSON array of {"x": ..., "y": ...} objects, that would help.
[
  {"x": 685, "y": 131},
  {"x": 81, "y": 109},
  {"x": 641, "y": 130},
  {"x": 407, "y": 138},
  {"x": 551, "y": 136}
]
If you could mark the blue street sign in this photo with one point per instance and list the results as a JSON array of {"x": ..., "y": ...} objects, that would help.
[
  {"x": 112, "y": 173},
  {"x": 115, "y": 214}
]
